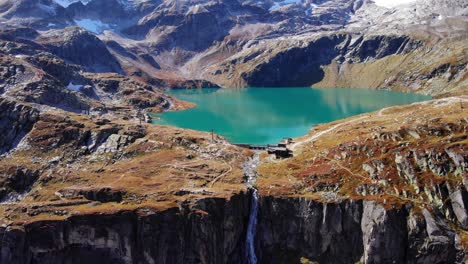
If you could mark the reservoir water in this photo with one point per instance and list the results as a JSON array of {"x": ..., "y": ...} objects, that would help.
[{"x": 266, "y": 115}]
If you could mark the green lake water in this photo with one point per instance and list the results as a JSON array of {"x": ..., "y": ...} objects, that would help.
[{"x": 266, "y": 115}]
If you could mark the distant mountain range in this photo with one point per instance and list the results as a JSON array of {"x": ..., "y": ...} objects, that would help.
[
  {"x": 83, "y": 179},
  {"x": 234, "y": 43}
]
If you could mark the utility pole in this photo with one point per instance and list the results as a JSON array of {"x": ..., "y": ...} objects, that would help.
[{"x": 140, "y": 116}]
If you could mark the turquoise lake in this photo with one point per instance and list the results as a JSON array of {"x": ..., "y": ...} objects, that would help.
[{"x": 266, "y": 115}]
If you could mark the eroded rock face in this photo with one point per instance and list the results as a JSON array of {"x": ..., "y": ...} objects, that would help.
[
  {"x": 16, "y": 120},
  {"x": 352, "y": 231},
  {"x": 292, "y": 227},
  {"x": 459, "y": 199},
  {"x": 301, "y": 62},
  {"x": 384, "y": 234},
  {"x": 213, "y": 231},
  {"x": 80, "y": 47},
  {"x": 16, "y": 180},
  {"x": 210, "y": 232}
]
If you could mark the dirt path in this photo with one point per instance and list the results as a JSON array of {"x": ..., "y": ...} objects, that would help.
[
  {"x": 220, "y": 176},
  {"x": 319, "y": 134}
]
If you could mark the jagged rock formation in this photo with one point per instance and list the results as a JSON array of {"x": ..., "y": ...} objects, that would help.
[
  {"x": 301, "y": 65},
  {"x": 211, "y": 232},
  {"x": 234, "y": 42},
  {"x": 352, "y": 231},
  {"x": 82, "y": 179},
  {"x": 80, "y": 47},
  {"x": 16, "y": 120},
  {"x": 53, "y": 73},
  {"x": 371, "y": 190},
  {"x": 389, "y": 187}
]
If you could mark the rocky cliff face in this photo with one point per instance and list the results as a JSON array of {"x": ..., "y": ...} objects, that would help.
[
  {"x": 16, "y": 120},
  {"x": 302, "y": 64},
  {"x": 327, "y": 233},
  {"x": 352, "y": 231},
  {"x": 80, "y": 47},
  {"x": 234, "y": 43},
  {"x": 289, "y": 229},
  {"x": 369, "y": 189},
  {"x": 354, "y": 196},
  {"x": 210, "y": 232}
]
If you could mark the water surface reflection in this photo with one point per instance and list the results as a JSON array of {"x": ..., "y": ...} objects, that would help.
[{"x": 266, "y": 115}]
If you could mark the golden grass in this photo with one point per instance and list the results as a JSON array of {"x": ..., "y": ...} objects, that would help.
[
  {"x": 156, "y": 171},
  {"x": 320, "y": 165}
]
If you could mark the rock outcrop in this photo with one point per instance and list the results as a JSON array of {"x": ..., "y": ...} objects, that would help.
[
  {"x": 78, "y": 46},
  {"x": 350, "y": 232},
  {"x": 16, "y": 120},
  {"x": 108, "y": 191},
  {"x": 327, "y": 233},
  {"x": 236, "y": 43},
  {"x": 302, "y": 64},
  {"x": 392, "y": 191},
  {"x": 210, "y": 232}
]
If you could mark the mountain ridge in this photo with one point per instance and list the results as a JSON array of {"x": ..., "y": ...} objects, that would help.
[
  {"x": 85, "y": 179},
  {"x": 154, "y": 33}
]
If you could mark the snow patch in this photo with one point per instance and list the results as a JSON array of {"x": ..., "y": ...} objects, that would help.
[
  {"x": 92, "y": 25},
  {"x": 127, "y": 4},
  {"x": 392, "y": 3},
  {"x": 74, "y": 87},
  {"x": 130, "y": 4},
  {"x": 66, "y": 3},
  {"x": 13, "y": 197},
  {"x": 281, "y": 3}
]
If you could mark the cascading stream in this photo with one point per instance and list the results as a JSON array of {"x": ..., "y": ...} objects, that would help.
[
  {"x": 251, "y": 228},
  {"x": 250, "y": 170}
]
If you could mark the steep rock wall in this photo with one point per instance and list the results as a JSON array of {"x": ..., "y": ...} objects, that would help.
[
  {"x": 213, "y": 232},
  {"x": 354, "y": 61},
  {"x": 302, "y": 62},
  {"x": 289, "y": 228},
  {"x": 16, "y": 120},
  {"x": 352, "y": 231}
]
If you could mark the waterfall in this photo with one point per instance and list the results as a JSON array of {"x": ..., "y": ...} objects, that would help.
[
  {"x": 251, "y": 228},
  {"x": 250, "y": 171}
]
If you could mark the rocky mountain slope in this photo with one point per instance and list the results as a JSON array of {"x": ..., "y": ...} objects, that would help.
[
  {"x": 78, "y": 189},
  {"x": 234, "y": 42},
  {"x": 385, "y": 187},
  {"x": 84, "y": 179}
]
